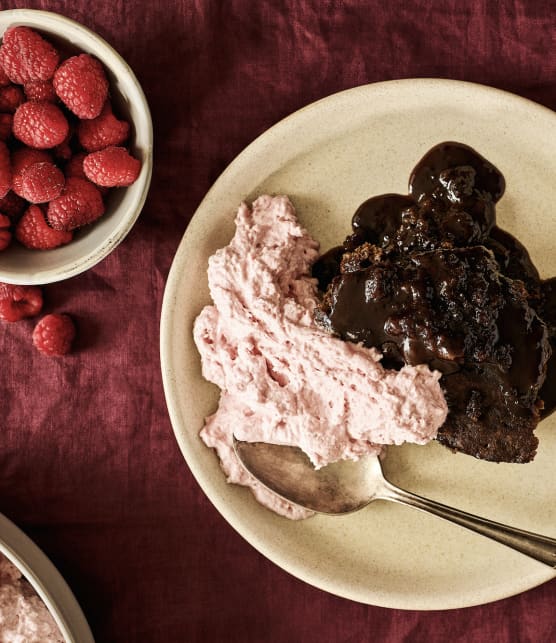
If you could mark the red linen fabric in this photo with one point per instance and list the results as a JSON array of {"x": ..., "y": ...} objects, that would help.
[{"x": 89, "y": 466}]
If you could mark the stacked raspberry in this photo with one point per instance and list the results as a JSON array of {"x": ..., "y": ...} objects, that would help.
[{"x": 61, "y": 146}]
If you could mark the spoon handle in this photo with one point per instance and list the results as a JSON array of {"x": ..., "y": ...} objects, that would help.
[{"x": 539, "y": 547}]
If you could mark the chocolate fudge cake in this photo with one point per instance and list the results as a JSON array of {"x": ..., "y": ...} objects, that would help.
[{"x": 429, "y": 278}]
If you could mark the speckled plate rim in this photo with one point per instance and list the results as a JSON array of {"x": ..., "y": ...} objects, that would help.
[
  {"x": 172, "y": 331},
  {"x": 47, "y": 582}
]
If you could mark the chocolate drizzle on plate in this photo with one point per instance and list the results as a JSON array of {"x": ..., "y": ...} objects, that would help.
[{"x": 429, "y": 278}]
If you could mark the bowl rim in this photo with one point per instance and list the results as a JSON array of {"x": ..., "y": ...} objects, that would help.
[
  {"x": 46, "y": 580},
  {"x": 33, "y": 17}
]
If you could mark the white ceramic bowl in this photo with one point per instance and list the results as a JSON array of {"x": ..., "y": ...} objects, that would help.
[
  {"x": 47, "y": 582},
  {"x": 19, "y": 265}
]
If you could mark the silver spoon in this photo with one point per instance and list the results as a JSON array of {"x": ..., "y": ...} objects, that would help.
[{"x": 347, "y": 486}]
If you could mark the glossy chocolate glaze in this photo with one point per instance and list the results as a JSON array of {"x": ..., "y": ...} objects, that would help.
[{"x": 429, "y": 278}]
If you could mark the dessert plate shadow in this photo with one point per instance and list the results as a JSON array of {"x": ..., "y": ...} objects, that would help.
[{"x": 329, "y": 157}]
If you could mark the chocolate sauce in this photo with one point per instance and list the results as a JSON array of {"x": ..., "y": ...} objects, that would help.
[
  {"x": 429, "y": 278},
  {"x": 458, "y": 171}
]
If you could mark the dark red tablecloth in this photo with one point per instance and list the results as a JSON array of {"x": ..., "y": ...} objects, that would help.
[{"x": 89, "y": 466}]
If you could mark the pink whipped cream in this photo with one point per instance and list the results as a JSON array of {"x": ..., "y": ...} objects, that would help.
[
  {"x": 284, "y": 380},
  {"x": 24, "y": 618}
]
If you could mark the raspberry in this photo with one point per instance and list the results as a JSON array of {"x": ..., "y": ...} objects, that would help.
[
  {"x": 34, "y": 232},
  {"x": 18, "y": 302},
  {"x": 54, "y": 334},
  {"x": 5, "y": 126},
  {"x": 5, "y": 170},
  {"x": 5, "y": 234},
  {"x": 21, "y": 160},
  {"x": 12, "y": 205},
  {"x": 74, "y": 167},
  {"x": 111, "y": 167},
  {"x": 25, "y": 56},
  {"x": 40, "y": 90},
  {"x": 81, "y": 84},
  {"x": 40, "y": 124},
  {"x": 102, "y": 131},
  {"x": 11, "y": 97},
  {"x": 41, "y": 182},
  {"x": 4, "y": 80},
  {"x": 63, "y": 151},
  {"x": 80, "y": 204}
]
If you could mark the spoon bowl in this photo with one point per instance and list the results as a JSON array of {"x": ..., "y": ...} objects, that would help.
[
  {"x": 339, "y": 488},
  {"x": 347, "y": 486}
]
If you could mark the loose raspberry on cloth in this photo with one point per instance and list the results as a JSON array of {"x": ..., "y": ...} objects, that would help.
[
  {"x": 54, "y": 334},
  {"x": 18, "y": 302}
]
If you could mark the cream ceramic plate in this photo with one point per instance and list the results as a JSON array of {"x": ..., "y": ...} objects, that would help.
[{"x": 329, "y": 157}]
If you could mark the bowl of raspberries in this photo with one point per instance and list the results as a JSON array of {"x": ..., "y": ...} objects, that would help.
[{"x": 75, "y": 148}]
